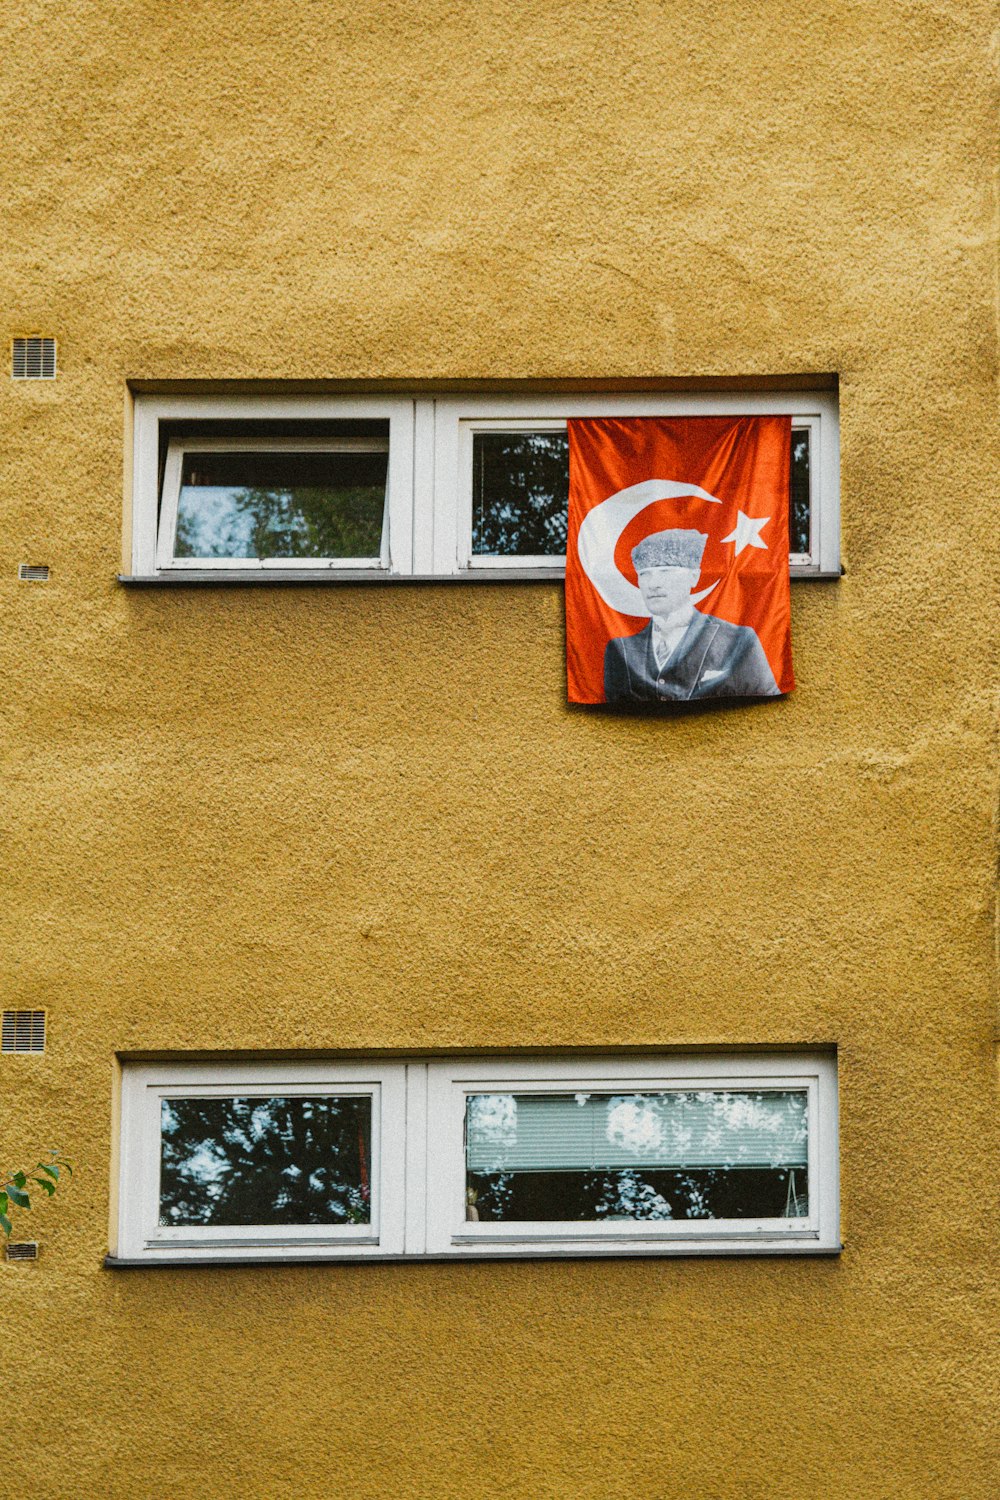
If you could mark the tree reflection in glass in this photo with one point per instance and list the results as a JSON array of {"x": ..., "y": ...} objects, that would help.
[
  {"x": 266, "y": 1160},
  {"x": 520, "y": 494},
  {"x": 670, "y": 1155},
  {"x": 798, "y": 511},
  {"x": 281, "y": 504}
]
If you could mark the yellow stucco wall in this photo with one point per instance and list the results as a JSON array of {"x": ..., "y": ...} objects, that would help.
[{"x": 363, "y": 818}]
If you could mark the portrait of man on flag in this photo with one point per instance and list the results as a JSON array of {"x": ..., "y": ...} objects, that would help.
[{"x": 677, "y": 559}]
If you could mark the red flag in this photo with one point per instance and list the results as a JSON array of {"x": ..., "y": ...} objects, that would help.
[{"x": 677, "y": 559}]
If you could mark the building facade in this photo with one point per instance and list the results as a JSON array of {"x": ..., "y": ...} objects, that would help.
[{"x": 270, "y": 830}]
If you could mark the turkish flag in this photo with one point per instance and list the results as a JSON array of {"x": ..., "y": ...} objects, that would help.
[{"x": 677, "y": 559}]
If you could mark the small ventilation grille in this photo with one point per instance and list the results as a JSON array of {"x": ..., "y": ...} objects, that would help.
[
  {"x": 33, "y": 359},
  {"x": 23, "y": 1031},
  {"x": 33, "y": 572},
  {"x": 23, "y": 1250}
]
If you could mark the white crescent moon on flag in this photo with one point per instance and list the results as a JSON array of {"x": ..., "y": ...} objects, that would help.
[{"x": 601, "y": 528}]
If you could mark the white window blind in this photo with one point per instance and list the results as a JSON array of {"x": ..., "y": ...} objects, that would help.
[{"x": 669, "y": 1130}]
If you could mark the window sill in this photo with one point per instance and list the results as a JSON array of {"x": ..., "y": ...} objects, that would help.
[
  {"x": 355, "y": 576},
  {"x": 218, "y": 578},
  {"x": 652, "y": 1252}
]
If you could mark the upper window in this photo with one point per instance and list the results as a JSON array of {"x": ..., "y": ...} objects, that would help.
[
  {"x": 480, "y": 1156},
  {"x": 273, "y": 502},
  {"x": 520, "y": 494},
  {"x": 412, "y": 486},
  {"x": 271, "y": 486}
]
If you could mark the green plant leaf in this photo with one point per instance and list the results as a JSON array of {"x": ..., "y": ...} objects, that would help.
[
  {"x": 19, "y": 1179},
  {"x": 3, "y": 1203},
  {"x": 16, "y": 1196},
  {"x": 52, "y": 1171},
  {"x": 66, "y": 1167},
  {"x": 49, "y": 1187},
  {"x": 5, "y": 1224}
]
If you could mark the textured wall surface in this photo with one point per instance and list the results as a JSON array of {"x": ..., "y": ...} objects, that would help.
[{"x": 353, "y": 818}]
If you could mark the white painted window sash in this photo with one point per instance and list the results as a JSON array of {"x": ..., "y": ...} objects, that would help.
[
  {"x": 451, "y": 1083},
  {"x": 141, "y": 1236},
  {"x": 457, "y": 418},
  {"x": 169, "y": 504},
  {"x": 154, "y": 515},
  {"x": 466, "y": 558}
]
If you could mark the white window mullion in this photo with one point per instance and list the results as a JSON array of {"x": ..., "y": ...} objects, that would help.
[
  {"x": 424, "y": 469},
  {"x": 399, "y": 489},
  {"x": 445, "y": 1157},
  {"x": 449, "y": 494},
  {"x": 415, "y": 1240},
  {"x": 392, "y": 1161}
]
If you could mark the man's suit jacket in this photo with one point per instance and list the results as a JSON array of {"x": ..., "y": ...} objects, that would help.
[{"x": 713, "y": 659}]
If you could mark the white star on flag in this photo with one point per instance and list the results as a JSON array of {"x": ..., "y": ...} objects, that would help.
[{"x": 747, "y": 533}]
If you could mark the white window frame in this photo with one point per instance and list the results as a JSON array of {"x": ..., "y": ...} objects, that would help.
[
  {"x": 458, "y": 418},
  {"x": 418, "y": 1163},
  {"x": 142, "y": 1237},
  {"x": 173, "y": 471},
  {"x": 450, "y": 1084},
  {"x": 153, "y": 513},
  {"x": 428, "y": 527}
]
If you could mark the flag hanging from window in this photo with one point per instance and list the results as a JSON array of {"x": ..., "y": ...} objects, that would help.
[{"x": 677, "y": 559}]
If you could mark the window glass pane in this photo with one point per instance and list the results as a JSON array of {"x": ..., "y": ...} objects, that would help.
[
  {"x": 662, "y": 1155},
  {"x": 798, "y": 515},
  {"x": 266, "y": 1161},
  {"x": 281, "y": 504},
  {"x": 520, "y": 493}
]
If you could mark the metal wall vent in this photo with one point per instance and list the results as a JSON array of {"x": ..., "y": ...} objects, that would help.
[
  {"x": 22, "y": 1031},
  {"x": 23, "y": 1250},
  {"x": 33, "y": 572},
  {"x": 33, "y": 359}
]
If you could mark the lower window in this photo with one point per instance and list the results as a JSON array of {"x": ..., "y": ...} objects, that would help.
[
  {"x": 664, "y": 1156},
  {"x": 479, "y": 1156},
  {"x": 224, "y": 1161},
  {"x": 280, "y": 1159}
]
